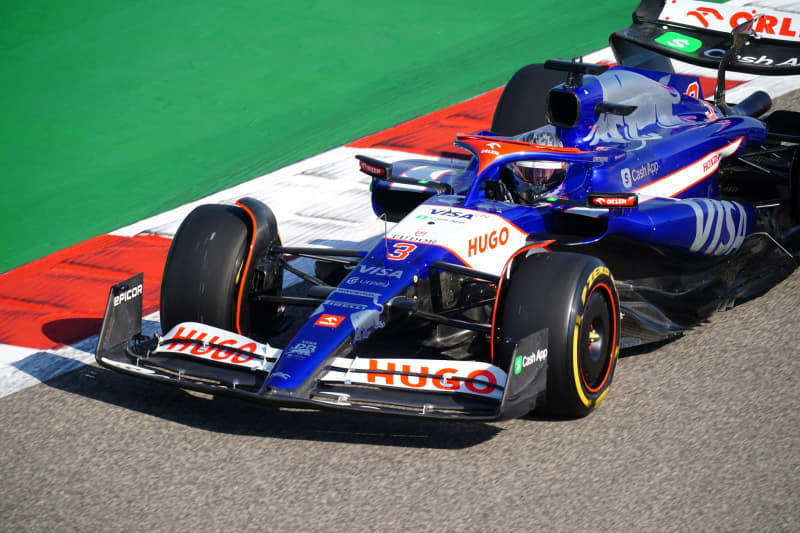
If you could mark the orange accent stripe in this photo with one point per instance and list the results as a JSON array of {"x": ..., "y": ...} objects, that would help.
[
  {"x": 543, "y": 244},
  {"x": 739, "y": 140},
  {"x": 523, "y": 144},
  {"x": 245, "y": 270}
]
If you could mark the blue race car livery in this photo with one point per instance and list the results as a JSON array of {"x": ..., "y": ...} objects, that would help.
[{"x": 618, "y": 209}]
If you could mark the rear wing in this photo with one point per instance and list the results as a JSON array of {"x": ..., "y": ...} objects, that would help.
[{"x": 699, "y": 33}]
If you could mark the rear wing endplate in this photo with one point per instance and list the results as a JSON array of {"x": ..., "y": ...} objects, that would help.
[{"x": 699, "y": 33}]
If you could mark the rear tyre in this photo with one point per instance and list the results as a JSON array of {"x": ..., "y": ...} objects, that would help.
[
  {"x": 205, "y": 268},
  {"x": 522, "y": 105},
  {"x": 573, "y": 296}
]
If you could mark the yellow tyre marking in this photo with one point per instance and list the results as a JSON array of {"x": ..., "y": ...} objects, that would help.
[
  {"x": 575, "y": 372},
  {"x": 239, "y": 274},
  {"x": 597, "y": 272},
  {"x": 600, "y": 398}
]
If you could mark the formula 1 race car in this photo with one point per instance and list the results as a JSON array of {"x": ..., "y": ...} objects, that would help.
[{"x": 609, "y": 206}]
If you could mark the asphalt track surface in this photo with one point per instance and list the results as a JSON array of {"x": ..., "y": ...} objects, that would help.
[{"x": 701, "y": 433}]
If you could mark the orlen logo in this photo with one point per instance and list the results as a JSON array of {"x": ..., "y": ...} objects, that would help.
[
  {"x": 130, "y": 294},
  {"x": 487, "y": 241},
  {"x": 329, "y": 321},
  {"x": 615, "y": 201},
  {"x": 440, "y": 378},
  {"x": 776, "y": 24},
  {"x": 492, "y": 149}
]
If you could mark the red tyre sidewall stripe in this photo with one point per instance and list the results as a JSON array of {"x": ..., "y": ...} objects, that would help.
[{"x": 613, "y": 338}]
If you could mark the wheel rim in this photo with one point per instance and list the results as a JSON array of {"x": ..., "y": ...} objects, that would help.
[{"x": 595, "y": 342}]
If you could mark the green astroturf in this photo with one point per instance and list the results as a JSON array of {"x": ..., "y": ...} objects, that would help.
[{"x": 113, "y": 111}]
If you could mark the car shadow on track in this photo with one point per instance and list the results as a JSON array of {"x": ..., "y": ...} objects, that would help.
[{"x": 221, "y": 414}]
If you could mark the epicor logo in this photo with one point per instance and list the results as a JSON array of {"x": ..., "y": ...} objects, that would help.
[
  {"x": 679, "y": 41},
  {"x": 130, "y": 294}
]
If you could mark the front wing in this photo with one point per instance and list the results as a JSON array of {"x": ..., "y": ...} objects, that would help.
[{"x": 211, "y": 360}]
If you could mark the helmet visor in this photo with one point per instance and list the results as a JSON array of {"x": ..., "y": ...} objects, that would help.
[{"x": 541, "y": 176}]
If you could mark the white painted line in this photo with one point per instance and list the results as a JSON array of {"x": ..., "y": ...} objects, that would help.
[{"x": 21, "y": 368}]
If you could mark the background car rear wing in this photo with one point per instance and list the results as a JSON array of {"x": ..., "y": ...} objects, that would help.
[{"x": 699, "y": 33}]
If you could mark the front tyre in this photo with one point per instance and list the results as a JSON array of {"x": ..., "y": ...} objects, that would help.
[
  {"x": 211, "y": 271},
  {"x": 574, "y": 297}
]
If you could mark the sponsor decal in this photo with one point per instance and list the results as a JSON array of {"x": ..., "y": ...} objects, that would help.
[
  {"x": 717, "y": 53},
  {"x": 355, "y": 280},
  {"x": 130, "y": 294},
  {"x": 772, "y": 23},
  {"x": 693, "y": 90},
  {"x": 303, "y": 348},
  {"x": 463, "y": 377},
  {"x": 523, "y": 361},
  {"x": 345, "y": 305},
  {"x": 381, "y": 272},
  {"x": 679, "y": 41},
  {"x": 492, "y": 148},
  {"x": 714, "y": 216},
  {"x": 400, "y": 251},
  {"x": 414, "y": 238},
  {"x": 353, "y": 292},
  {"x": 614, "y": 201},
  {"x": 431, "y": 377},
  {"x": 487, "y": 241},
  {"x": 631, "y": 176},
  {"x": 452, "y": 214},
  {"x": 711, "y": 162},
  {"x": 329, "y": 321},
  {"x": 690, "y": 175},
  {"x": 372, "y": 169},
  {"x": 282, "y": 375},
  {"x": 216, "y": 345}
]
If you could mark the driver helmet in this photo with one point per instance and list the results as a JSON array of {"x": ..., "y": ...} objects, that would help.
[{"x": 542, "y": 176}]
